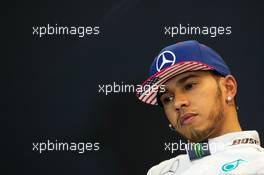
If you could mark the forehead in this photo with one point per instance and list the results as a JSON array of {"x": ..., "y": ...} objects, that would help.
[{"x": 181, "y": 78}]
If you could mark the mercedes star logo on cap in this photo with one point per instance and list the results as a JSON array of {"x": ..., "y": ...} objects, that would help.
[{"x": 166, "y": 57}]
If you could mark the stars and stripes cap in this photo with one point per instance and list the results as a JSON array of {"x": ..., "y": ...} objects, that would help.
[{"x": 178, "y": 58}]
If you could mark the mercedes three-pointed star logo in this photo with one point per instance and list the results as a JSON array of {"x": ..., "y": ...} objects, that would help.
[{"x": 166, "y": 57}]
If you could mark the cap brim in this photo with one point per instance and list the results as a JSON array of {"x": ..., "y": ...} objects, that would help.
[{"x": 148, "y": 90}]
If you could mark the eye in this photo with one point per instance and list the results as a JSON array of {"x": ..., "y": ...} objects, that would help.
[
  {"x": 189, "y": 86},
  {"x": 166, "y": 99}
]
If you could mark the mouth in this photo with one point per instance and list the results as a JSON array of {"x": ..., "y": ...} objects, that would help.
[{"x": 187, "y": 118}]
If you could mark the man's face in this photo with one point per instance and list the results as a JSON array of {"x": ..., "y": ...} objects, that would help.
[{"x": 193, "y": 104}]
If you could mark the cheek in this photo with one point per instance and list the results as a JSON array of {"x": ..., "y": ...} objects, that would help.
[
  {"x": 204, "y": 101},
  {"x": 171, "y": 115}
]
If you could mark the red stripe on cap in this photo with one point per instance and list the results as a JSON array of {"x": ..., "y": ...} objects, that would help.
[{"x": 167, "y": 68}]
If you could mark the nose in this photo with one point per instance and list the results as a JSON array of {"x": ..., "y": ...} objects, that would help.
[{"x": 180, "y": 101}]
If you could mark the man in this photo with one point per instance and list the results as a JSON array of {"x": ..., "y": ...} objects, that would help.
[{"x": 197, "y": 92}]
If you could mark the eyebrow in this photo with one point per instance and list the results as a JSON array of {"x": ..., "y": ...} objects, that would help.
[{"x": 183, "y": 79}]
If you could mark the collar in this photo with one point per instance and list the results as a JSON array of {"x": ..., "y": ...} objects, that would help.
[{"x": 220, "y": 143}]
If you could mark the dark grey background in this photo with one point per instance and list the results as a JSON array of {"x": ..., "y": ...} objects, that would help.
[{"x": 52, "y": 82}]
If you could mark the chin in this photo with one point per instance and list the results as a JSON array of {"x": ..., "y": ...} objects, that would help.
[{"x": 198, "y": 135}]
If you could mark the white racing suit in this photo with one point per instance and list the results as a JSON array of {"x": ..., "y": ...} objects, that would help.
[{"x": 237, "y": 153}]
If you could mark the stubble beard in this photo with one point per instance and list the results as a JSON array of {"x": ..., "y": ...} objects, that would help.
[{"x": 214, "y": 120}]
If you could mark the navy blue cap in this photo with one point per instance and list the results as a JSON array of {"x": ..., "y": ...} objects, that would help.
[{"x": 176, "y": 59}]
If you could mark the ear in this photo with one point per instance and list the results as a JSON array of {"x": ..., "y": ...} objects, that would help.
[{"x": 230, "y": 85}]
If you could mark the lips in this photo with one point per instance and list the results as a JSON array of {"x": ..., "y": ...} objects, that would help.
[{"x": 187, "y": 118}]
